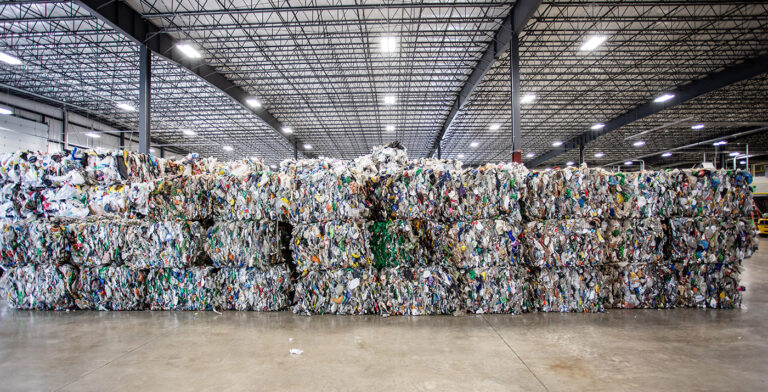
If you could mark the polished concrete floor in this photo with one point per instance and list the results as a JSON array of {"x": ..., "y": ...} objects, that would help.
[{"x": 673, "y": 350}]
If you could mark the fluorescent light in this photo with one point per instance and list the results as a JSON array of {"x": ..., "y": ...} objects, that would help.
[
  {"x": 664, "y": 98},
  {"x": 321, "y": 157},
  {"x": 4, "y": 110},
  {"x": 287, "y": 130},
  {"x": 8, "y": 59},
  {"x": 599, "y": 155},
  {"x": 666, "y": 154},
  {"x": 628, "y": 163},
  {"x": 189, "y": 132},
  {"x": 557, "y": 143},
  {"x": 228, "y": 148},
  {"x": 253, "y": 102},
  {"x": 307, "y": 146},
  {"x": 597, "y": 126},
  {"x": 388, "y": 44},
  {"x": 92, "y": 135},
  {"x": 720, "y": 143},
  {"x": 390, "y": 128},
  {"x": 743, "y": 162},
  {"x": 151, "y": 150},
  {"x": 390, "y": 99},
  {"x": 697, "y": 126},
  {"x": 273, "y": 166},
  {"x": 126, "y": 106},
  {"x": 474, "y": 144},
  {"x": 593, "y": 42},
  {"x": 639, "y": 143},
  {"x": 733, "y": 154},
  {"x": 461, "y": 156},
  {"x": 530, "y": 155},
  {"x": 528, "y": 98},
  {"x": 548, "y": 169},
  {"x": 189, "y": 51},
  {"x": 495, "y": 127},
  {"x": 570, "y": 163}
]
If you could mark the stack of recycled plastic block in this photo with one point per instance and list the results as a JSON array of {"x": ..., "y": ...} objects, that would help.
[
  {"x": 330, "y": 242},
  {"x": 126, "y": 232}
]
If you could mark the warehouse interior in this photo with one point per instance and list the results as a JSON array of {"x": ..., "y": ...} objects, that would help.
[{"x": 616, "y": 149}]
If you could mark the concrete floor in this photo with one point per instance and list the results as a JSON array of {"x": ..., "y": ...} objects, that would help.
[{"x": 681, "y": 349}]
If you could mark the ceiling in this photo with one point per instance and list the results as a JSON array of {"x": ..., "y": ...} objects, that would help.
[{"x": 318, "y": 67}]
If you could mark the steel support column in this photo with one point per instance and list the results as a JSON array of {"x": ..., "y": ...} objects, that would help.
[
  {"x": 581, "y": 154},
  {"x": 145, "y": 74},
  {"x": 514, "y": 86}
]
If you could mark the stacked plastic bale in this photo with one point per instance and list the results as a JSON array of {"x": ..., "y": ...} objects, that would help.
[
  {"x": 330, "y": 240},
  {"x": 563, "y": 239},
  {"x": 480, "y": 237},
  {"x": 244, "y": 242}
]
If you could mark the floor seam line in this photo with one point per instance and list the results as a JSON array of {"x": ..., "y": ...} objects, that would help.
[
  {"x": 123, "y": 355},
  {"x": 515, "y": 352}
]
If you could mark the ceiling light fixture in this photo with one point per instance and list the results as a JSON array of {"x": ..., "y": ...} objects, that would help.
[
  {"x": 390, "y": 99},
  {"x": 390, "y": 128},
  {"x": 494, "y": 127},
  {"x": 92, "y": 135},
  {"x": 253, "y": 102},
  {"x": 189, "y": 132},
  {"x": 388, "y": 44},
  {"x": 474, "y": 144},
  {"x": 720, "y": 143},
  {"x": 273, "y": 166},
  {"x": 697, "y": 126},
  {"x": 663, "y": 98},
  {"x": 8, "y": 59},
  {"x": 593, "y": 42},
  {"x": 557, "y": 143},
  {"x": 126, "y": 107},
  {"x": 307, "y": 146},
  {"x": 461, "y": 156},
  {"x": 287, "y": 130},
  {"x": 639, "y": 143},
  {"x": 528, "y": 98},
  {"x": 666, "y": 154},
  {"x": 530, "y": 155},
  {"x": 228, "y": 148},
  {"x": 189, "y": 51},
  {"x": 597, "y": 126},
  {"x": 735, "y": 153},
  {"x": 570, "y": 163},
  {"x": 599, "y": 155},
  {"x": 743, "y": 162},
  {"x": 4, "y": 110}
]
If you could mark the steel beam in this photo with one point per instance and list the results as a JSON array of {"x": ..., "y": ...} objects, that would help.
[
  {"x": 737, "y": 73},
  {"x": 145, "y": 98},
  {"x": 510, "y": 28},
  {"x": 129, "y": 22}
]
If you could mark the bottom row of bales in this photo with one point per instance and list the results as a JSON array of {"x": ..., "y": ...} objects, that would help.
[{"x": 389, "y": 291}]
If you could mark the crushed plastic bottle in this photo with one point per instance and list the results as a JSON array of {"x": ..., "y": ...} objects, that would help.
[
  {"x": 329, "y": 245},
  {"x": 418, "y": 291},
  {"x": 569, "y": 289},
  {"x": 263, "y": 290},
  {"x": 339, "y": 291},
  {"x": 244, "y": 244},
  {"x": 497, "y": 289}
]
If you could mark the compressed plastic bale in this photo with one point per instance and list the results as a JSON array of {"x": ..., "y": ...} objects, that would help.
[
  {"x": 110, "y": 288},
  {"x": 96, "y": 243},
  {"x": 510, "y": 187},
  {"x": 67, "y": 201},
  {"x": 340, "y": 291},
  {"x": 191, "y": 165},
  {"x": 482, "y": 243},
  {"x": 33, "y": 169},
  {"x": 497, "y": 289},
  {"x": 251, "y": 195},
  {"x": 402, "y": 242},
  {"x": 264, "y": 290},
  {"x": 383, "y": 160},
  {"x": 35, "y": 242},
  {"x": 570, "y": 289},
  {"x": 413, "y": 193},
  {"x": 417, "y": 291},
  {"x": 715, "y": 286},
  {"x": 710, "y": 240},
  {"x": 162, "y": 244},
  {"x": 243, "y": 244},
  {"x": 648, "y": 189},
  {"x": 565, "y": 194},
  {"x": 192, "y": 288},
  {"x": 117, "y": 167},
  {"x": 564, "y": 243},
  {"x": 640, "y": 286},
  {"x": 328, "y": 245},
  {"x": 470, "y": 194},
  {"x": 40, "y": 287},
  {"x": 706, "y": 193},
  {"x": 183, "y": 197},
  {"x": 635, "y": 240},
  {"x": 324, "y": 189}
]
